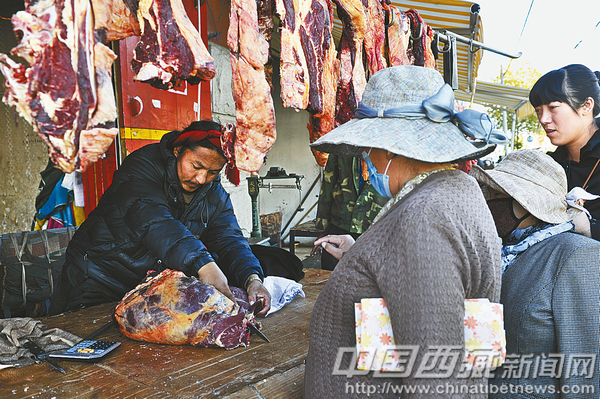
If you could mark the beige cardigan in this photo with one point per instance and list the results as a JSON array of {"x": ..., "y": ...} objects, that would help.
[{"x": 432, "y": 250}]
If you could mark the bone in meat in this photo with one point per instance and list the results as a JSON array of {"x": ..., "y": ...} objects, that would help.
[
  {"x": 172, "y": 308},
  {"x": 398, "y": 37},
  {"x": 254, "y": 110},
  {"x": 170, "y": 49}
]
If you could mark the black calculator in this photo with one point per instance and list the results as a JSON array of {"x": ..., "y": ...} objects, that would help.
[{"x": 87, "y": 350}]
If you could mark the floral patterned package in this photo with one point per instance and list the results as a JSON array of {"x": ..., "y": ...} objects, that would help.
[
  {"x": 374, "y": 336},
  {"x": 485, "y": 338}
]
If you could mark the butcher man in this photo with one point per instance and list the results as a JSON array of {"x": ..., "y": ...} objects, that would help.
[{"x": 165, "y": 209}]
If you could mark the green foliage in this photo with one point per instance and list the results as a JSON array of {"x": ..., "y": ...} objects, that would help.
[
  {"x": 518, "y": 142},
  {"x": 525, "y": 77}
]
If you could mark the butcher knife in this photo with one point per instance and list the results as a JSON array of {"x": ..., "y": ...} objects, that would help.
[{"x": 255, "y": 330}]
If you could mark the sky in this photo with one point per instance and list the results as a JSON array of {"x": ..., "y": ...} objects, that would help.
[{"x": 556, "y": 33}]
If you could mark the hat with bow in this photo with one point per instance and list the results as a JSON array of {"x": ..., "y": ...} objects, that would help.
[{"x": 409, "y": 110}]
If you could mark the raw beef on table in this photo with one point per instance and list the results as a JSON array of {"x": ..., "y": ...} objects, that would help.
[{"x": 172, "y": 308}]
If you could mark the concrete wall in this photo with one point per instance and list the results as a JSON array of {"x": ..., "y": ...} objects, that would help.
[
  {"x": 291, "y": 151},
  {"x": 23, "y": 155}
]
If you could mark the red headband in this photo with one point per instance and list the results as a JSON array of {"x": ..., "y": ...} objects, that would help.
[{"x": 220, "y": 139}]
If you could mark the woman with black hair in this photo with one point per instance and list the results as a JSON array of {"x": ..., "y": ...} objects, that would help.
[
  {"x": 567, "y": 104},
  {"x": 166, "y": 208}
]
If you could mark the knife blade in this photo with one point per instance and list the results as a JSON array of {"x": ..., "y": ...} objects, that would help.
[
  {"x": 256, "y": 331},
  {"x": 40, "y": 354}
]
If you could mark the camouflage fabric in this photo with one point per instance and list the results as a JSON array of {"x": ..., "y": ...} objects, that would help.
[{"x": 339, "y": 201}]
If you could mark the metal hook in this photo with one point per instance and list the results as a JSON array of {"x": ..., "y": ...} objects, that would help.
[
  {"x": 391, "y": 12},
  {"x": 420, "y": 33},
  {"x": 447, "y": 47},
  {"x": 471, "y": 46}
]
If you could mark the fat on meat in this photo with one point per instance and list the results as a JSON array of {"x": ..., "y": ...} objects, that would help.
[
  {"x": 254, "y": 110},
  {"x": 116, "y": 19},
  {"x": 57, "y": 91},
  {"x": 172, "y": 308}
]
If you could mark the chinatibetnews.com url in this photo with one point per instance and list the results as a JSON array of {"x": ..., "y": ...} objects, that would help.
[{"x": 389, "y": 388}]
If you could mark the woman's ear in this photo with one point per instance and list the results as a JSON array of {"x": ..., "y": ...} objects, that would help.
[
  {"x": 176, "y": 151},
  {"x": 588, "y": 106}
]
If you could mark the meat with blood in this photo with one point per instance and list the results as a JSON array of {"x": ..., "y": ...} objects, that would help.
[{"x": 172, "y": 308}]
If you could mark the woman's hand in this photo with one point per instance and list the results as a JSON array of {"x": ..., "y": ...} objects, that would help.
[
  {"x": 210, "y": 273},
  {"x": 335, "y": 245},
  {"x": 256, "y": 292}
]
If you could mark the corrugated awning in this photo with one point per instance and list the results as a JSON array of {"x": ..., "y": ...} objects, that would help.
[
  {"x": 511, "y": 98},
  {"x": 455, "y": 16}
]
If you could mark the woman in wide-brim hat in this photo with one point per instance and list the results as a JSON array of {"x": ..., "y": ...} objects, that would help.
[
  {"x": 434, "y": 243},
  {"x": 550, "y": 274}
]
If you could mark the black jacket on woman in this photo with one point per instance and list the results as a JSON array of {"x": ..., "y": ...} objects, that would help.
[
  {"x": 141, "y": 224},
  {"x": 578, "y": 172}
]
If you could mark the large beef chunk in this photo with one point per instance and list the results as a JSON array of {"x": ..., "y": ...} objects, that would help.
[{"x": 172, "y": 308}]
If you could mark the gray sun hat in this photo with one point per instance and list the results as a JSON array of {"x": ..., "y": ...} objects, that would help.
[
  {"x": 409, "y": 111},
  {"x": 534, "y": 180}
]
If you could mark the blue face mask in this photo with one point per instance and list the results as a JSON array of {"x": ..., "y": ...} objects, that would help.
[{"x": 379, "y": 181}]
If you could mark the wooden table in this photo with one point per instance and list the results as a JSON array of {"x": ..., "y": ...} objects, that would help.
[{"x": 144, "y": 370}]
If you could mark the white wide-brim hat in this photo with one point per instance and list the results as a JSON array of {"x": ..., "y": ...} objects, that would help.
[
  {"x": 534, "y": 180},
  {"x": 418, "y": 138}
]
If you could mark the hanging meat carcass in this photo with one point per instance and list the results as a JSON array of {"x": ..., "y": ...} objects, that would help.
[
  {"x": 352, "y": 78},
  {"x": 324, "y": 75},
  {"x": 398, "y": 36},
  {"x": 170, "y": 49},
  {"x": 374, "y": 41},
  {"x": 58, "y": 93},
  {"x": 420, "y": 52},
  {"x": 172, "y": 308},
  {"x": 65, "y": 90},
  {"x": 254, "y": 110}
]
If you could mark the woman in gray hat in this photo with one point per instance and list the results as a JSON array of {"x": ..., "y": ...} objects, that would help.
[
  {"x": 433, "y": 246},
  {"x": 550, "y": 280}
]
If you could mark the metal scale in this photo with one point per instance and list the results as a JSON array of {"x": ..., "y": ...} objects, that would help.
[{"x": 255, "y": 183}]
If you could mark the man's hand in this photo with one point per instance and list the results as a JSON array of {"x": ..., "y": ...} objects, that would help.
[
  {"x": 335, "y": 245},
  {"x": 210, "y": 273},
  {"x": 256, "y": 292}
]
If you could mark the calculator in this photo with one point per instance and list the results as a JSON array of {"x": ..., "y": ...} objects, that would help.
[{"x": 87, "y": 350}]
